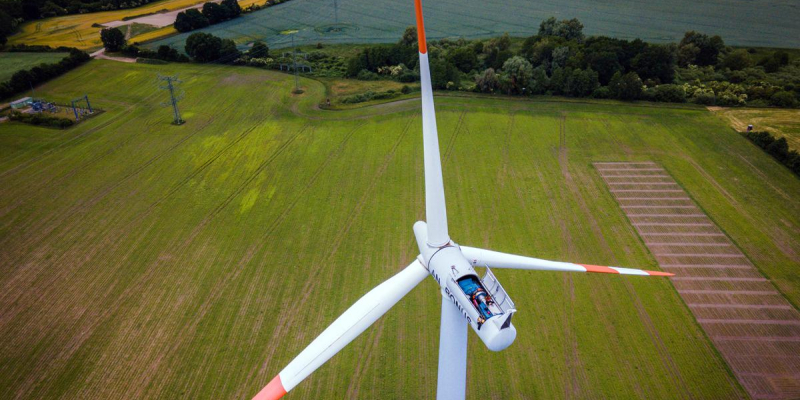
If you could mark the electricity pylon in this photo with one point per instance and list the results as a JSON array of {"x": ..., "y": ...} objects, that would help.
[
  {"x": 294, "y": 58},
  {"x": 175, "y": 95}
]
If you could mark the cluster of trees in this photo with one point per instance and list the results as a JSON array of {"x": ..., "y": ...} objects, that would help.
[
  {"x": 212, "y": 13},
  {"x": 205, "y": 47},
  {"x": 23, "y": 80},
  {"x": 561, "y": 60},
  {"x": 41, "y": 119},
  {"x": 776, "y": 147},
  {"x": 113, "y": 39},
  {"x": 7, "y": 26}
]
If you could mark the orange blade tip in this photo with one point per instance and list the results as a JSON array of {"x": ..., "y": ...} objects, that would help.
[
  {"x": 597, "y": 268},
  {"x": 659, "y": 273},
  {"x": 273, "y": 391}
]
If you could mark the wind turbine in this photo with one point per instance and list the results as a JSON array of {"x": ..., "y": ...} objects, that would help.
[{"x": 467, "y": 299}]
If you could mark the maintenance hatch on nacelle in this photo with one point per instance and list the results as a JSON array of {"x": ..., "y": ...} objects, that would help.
[{"x": 478, "y": 301}]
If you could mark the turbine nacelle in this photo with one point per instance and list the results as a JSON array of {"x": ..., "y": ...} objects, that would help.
[{"x": 461, "y": 285}]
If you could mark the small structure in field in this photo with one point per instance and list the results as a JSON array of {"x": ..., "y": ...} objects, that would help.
[{"x": 21, "y": 103}]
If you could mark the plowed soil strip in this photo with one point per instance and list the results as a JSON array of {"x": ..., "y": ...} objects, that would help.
[
  {"x": 758, "y": 339},
  {"x": 681, "y": 207},
  {"x": 763, "y": 380},
  {"x": 636, "y": 176},
  {"x": 631, "y": 169},
  {"x": 706, "y": 278},
  {"x": 670, "y": 224},
  {"x": 643, "y": 183},
  {"x": 648, "y": 190},
  {"x": 700, "y": 255},
  {"x": 743, "y": 306},
  {"x": 750, "y": 321},
  {"x": 749, "y": 292},
  {"x": 654, "y": 198},
  {"x": 702, "y": 234},
  {"x": 667, "y": 215},
  {"x": 687, "y": 244},
  {"x": 711, "y": 266}
]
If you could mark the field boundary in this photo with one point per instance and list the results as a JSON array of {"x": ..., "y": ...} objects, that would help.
[{"x": 749, "y": 321}]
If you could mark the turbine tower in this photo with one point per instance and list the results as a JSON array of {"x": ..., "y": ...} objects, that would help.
[{"x": 467, "y": 299}]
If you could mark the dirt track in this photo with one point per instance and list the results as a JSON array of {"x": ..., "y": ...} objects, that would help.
[{"x": 749, "y": 321}]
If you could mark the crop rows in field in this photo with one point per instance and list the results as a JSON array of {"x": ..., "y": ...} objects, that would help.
[
  {"x": 749, "y": 321},
  {"x": 741, "y": 22}
]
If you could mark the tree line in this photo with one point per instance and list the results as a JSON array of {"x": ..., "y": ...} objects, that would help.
[
  {"x": 776, "y": 147},
  {"x": 561, "y": 60},
  {"x": 23, "y": 80}
]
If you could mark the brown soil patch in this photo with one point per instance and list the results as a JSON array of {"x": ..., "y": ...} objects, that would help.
[{"x": 752, "y": 325}]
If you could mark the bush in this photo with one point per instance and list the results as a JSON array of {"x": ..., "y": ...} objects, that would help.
[
  {"x": 487, "y": 81},
  {"x": 370, "y": 95},
  {"x": 41, "y": 119},
  {"x": 737, "y": 60},
  {"x": 601, "y": 93},
  {"x": 626, "y": 87},
  {"x": 365, "y": 75},
  {"x": 760, "y": 138},
  {"x": 669, "y": 94},
  {"x": 153, "y": 61},
  {"x": 778, "y": 148},
  {"x": 359, "y": 98},
  {"x": 783, "y": 99},
  {"x": 581, "y": 83},
  {"x": 706, "y": 98}
]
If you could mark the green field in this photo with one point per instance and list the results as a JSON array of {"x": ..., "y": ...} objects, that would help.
[
  {"x": 13, "y": 62},
  {"x": 146, "y": 260},
  {"x": 768, "y": 23}
]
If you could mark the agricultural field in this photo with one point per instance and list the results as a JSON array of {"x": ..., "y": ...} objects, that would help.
[
  {"x": 146, "y": 260},
  {"x": 779, "y": 122},
  {"x": 82, "y": 31},
  {"x": 77, "y": 30},
  {"x": 769, "y": 23},
  {"x": 13, "y": 62}
]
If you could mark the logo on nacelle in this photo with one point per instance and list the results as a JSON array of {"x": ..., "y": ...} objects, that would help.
[{"x": 458, "y": 304}]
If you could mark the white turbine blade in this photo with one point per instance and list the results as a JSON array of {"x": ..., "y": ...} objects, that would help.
[
  {"x": 452, "y": 354},
  {"x": 435, "y": 209},
  {"x": 496, "y": 259},
  {"x": 347, "y": 327}
]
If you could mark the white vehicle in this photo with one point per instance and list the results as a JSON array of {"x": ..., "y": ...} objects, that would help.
[{"x": 467, "y": 299}]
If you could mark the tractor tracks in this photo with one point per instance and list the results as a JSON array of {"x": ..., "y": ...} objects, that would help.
[
  {"x": 46, "y": 227},
  {"x": 101, "y": 126},
  {"x": 282, "y": 324}
]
